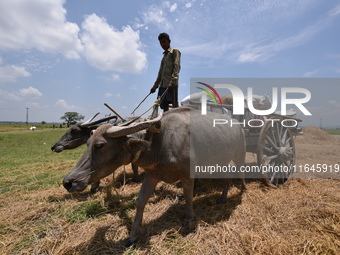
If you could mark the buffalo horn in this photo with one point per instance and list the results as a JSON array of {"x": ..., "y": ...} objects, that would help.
[
  {"x": 155, "y": 128},
  {"x": 89, "y": 123},
  {"x": 89, "y": 120},
  {"x": 118, "y": 131}
]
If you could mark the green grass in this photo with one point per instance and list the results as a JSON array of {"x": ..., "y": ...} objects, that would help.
[
  {"x": 27, "y": 162},
  {"x": 27, "y": 165},
  {"x": 86, "y": 210},
  {"x": 333, "y": 131},
  {"x": 5, "y": 127}
]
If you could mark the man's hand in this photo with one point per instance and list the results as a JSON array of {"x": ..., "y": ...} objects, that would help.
[
  {"x": 152, "y": 90},
  {"x": 171, "y": 86}
]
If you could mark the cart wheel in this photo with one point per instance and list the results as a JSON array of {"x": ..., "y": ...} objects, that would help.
[{"x": 276, "y": 151}]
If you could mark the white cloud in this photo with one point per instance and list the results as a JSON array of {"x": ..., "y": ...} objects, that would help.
[
  {"x": 334, "y": 103},
  {"x": 108, "y": 95},
  {"x": 30, "y": 92},
  {"x": 157, "y": 15},
  {"x": 262, "y": 51},
  {"x": 154, "y": 15},
  {"x": 42, "y": 25},
  {"x": 118, "y": 95},
  {"x": 247, "y": 38},
  {"x": 106, "y": 48},
  {"x": 248, "y": 57},
  {"x": 133, "y": 87},
  {"x": 115, "y": 77},
  {"x": 173, "y": 7},
  {"x": 33, "y": 105},
  {"x": 10, "y": 73},
  {"x": 38, "y": 24},
  {"x": 188, "y": 5},
  {"x": 311, "y": 73},
  {"x": 25, "y": 93},
  {"x": 335, "y": 11},
  {"x": 9, "y": 96},
  {"x": 61, "y": 103}
]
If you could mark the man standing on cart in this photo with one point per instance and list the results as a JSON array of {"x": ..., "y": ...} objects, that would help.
[{"x": 168, "y": 74}]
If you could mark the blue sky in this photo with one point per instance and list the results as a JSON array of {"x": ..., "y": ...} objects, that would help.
[{"x": 58, "y": 56}]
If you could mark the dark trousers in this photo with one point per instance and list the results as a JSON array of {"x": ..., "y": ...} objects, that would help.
[{"x": 171, "y": 97}]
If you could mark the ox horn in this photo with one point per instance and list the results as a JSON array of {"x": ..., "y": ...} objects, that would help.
[
  {"x": 89, "y": 123},
  {"x": 156, "y": 128},
  {"x": 89, "y": 120},
  {"x": 118, "y": 131}
]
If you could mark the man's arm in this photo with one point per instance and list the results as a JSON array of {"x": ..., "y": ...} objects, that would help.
[
  {"x": 158, "y": 80},
  {"x": 176, "y": 66}
]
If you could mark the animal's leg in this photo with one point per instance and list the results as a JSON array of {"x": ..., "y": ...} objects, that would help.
[
  {"x": 267, "y": 183},
  {"x": 94, "y": 186},
  {"x": 240, "y": 176},
  {"x": 240, "y": 159},
  {"x": 145, "y": 192},
  {"x": 223, "y": 197},
  {"x": 135, "y": 173},
  {"x": 188, "y": 190},
  {"x": 243, "y": 182}
]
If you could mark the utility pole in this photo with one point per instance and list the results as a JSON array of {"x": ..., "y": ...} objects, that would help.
[{"x": 26, "y": 115}]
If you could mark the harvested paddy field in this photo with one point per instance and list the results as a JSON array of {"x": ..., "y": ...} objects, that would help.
[{"x": 40, "y": 217}]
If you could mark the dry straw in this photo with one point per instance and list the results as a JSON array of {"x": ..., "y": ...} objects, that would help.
[{"x": 301, "y": 217}]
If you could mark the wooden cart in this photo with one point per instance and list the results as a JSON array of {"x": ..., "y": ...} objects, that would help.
[{"x": 272, "y": 142}]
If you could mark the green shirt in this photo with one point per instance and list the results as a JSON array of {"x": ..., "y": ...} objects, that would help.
[{"x": 169, "y": 70}]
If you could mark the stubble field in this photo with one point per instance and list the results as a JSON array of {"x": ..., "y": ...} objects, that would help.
[{"x": 38, "y": 216}]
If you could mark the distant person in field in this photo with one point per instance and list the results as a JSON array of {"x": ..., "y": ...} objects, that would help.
[{"x": 168, "y": 73}]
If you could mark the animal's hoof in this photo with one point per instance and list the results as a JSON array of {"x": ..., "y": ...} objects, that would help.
[
  {"x": 190, "y": 224},
  {"x": 94, "y": 189},
  {"x": 271, "y": 185},
  {"x": 129, "y": 243},
  {"x": 221, "y": 200},
  {"x": 244, "y": 187},
  {"x": 136, "y": 179},
  {"x": 267, "y": 183}
]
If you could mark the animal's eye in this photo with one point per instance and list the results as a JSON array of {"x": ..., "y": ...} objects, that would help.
[
  {"x": 74, "y": 130},
  {"x": 99, "y": 146},
  {"x": 92, "y": 132}
]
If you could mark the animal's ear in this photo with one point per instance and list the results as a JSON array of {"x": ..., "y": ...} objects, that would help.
[{"x": 134, "y": 145}]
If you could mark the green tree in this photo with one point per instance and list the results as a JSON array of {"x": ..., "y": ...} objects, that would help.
[{"x": 72, "y": 118}]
